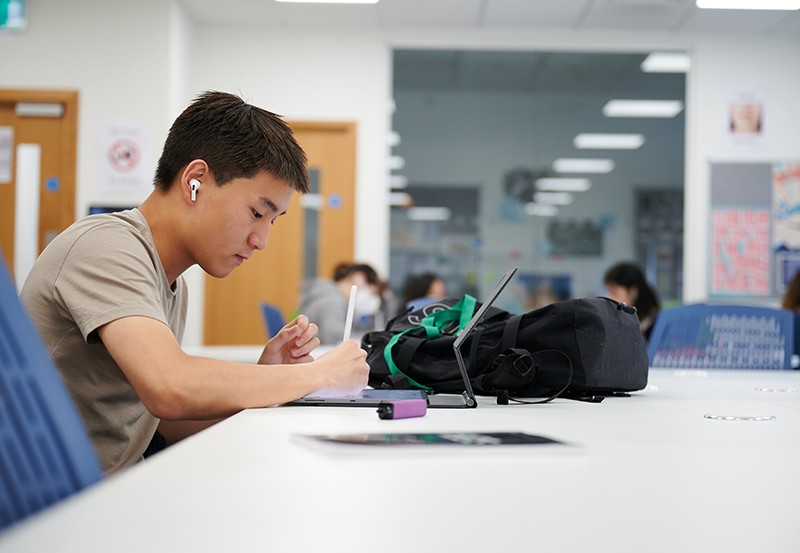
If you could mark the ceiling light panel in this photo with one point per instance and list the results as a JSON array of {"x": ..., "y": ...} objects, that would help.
[
  {"x": 749, "y": 4},
  {"x": 615, "y": 141},
  {"x": 667, "y": 62},
  {"x": 563, "y": 185},
  {"x": 552, "y": 198},
  {"x": 643, "y": 108},
  {"x": 579, "y": 165},
  {"x": 330, "y": 1},
  {"x": 541, "y": 210},
  {"x": 428, "y": 213}
]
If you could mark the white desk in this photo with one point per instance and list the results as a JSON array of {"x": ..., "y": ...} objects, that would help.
[{"x": 655, "y": 476}]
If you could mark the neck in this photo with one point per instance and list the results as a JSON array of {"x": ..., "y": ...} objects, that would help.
[{"x": 165, "y": 229}]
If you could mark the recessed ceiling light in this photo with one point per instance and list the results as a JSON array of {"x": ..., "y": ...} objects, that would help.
[
  {"x": 540, "y": 210},
  {"x": 642, "y": 108},
  {"x": 666, "y": 62},
  {"x": 615, "y": 141},
  {"x": 749, "y": 4},
  {"x": 330, "y": 1},
  {"x": 428, "y": 213},
  {"x": 578, "y": 165},
  {"x": 552, "y": 198},
  {"x": 563, "y": 185}
]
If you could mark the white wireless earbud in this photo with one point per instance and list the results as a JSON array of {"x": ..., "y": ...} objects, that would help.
[{"x": 195, "y": 184}]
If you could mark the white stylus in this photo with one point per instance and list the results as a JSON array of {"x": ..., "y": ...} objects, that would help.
[{"x": 351, "y": 307}]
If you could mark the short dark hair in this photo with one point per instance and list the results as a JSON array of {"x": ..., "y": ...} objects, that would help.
[
  {"x": 235, "y": 139},
  {"x": 344, "y": 270},
  {"x": 418, "y": 286},
  {"x": 631, "y": 274}
]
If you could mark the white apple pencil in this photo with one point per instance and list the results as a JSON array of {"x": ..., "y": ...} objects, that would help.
[{"x": 351, "y": 307}]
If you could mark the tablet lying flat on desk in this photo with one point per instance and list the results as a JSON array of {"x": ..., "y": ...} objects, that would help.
[{"x": 366, "y": 398}]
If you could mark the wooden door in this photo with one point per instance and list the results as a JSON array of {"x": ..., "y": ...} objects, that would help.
[
  {"x": 232, "y": 314},
  {"x": 57, "y": 137}
]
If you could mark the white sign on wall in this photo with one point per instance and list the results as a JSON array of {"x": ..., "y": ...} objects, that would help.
[
  {"x": 125, "y": 157},
  {"x": 745, "y": 121}
]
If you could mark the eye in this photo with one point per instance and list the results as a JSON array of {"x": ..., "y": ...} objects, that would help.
[{"x": 256, "y": 214}]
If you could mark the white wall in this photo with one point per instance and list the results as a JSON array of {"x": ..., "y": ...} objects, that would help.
[
  {"x": 123, "y": 57},
  {"x": 721, "y": 63},
  {"x": 113, "y": 53}
]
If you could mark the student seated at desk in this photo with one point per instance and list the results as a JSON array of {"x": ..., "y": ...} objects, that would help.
[
  {"x": 626, "y": 283},
  {"x": 109, "y": 300},
  {"x": 324, "y": 301},
  {"x": 423, "y": 289}
]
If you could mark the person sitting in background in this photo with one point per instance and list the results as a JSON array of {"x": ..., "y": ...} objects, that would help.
[
  {"x": 422, "y": 290},
  {"x": 791, "y": 299},
  {"x": 324, "y": 301},
  {"x": 626, "y": 283}
]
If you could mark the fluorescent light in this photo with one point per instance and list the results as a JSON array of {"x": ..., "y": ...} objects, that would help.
[
  {"x": 552, "y": 198},
  {"x": 540, "y": 210},
  {"x": 401, "y": 199},
  {"x": 749, "y": 4},
  {"x": 428, "y": 213},
  {"x": 616, "y": 141},
  {"x": 578, "y": 165},
  {"x": 642, "y": 108},
  {"x": 666, "y": 62},
  {"x": 563, "y": 185},
  {"x": 396, "y": 162},
  {"x": 398, "y": 181},
  {"x": 331, "y": 1}
]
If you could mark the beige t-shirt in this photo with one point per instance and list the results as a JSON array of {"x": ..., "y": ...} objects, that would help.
[{"x": 102, "y": 268}]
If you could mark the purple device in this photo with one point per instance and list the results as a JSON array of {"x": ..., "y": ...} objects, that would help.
[{"x": 402, "y": 409}]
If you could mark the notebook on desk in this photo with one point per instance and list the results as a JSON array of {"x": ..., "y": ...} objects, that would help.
[{"x": 467, "y": 399}]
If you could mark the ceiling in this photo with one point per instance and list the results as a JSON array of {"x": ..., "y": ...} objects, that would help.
[
  {"x": 546, "y": 73},
  {"x": 662, "y": 15}
]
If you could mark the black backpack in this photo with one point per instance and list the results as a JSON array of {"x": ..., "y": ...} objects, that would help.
[{"x": 580, "y": 349}]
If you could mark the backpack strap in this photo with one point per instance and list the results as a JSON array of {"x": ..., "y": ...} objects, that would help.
[{"x": 510, "y": 331}]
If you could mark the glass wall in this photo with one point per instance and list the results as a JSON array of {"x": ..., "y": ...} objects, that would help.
[{"x": 486, "y": 178}]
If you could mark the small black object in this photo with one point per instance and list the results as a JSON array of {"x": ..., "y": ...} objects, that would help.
[{"x": 502, "y": 397}]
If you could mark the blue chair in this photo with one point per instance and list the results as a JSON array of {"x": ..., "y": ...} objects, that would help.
[
  {"x": 273, "y": 319},
  {"x": 709, "y": 336},
  {"x": 45, "y": 453}
]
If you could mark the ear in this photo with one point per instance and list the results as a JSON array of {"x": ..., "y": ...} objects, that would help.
[{"x": 196, "y": 170}]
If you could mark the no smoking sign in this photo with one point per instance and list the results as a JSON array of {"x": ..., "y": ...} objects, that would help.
[{"x": 124, "y": 155}]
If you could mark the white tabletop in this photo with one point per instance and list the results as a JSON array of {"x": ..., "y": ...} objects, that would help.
[{"x": 654, "y": 474}]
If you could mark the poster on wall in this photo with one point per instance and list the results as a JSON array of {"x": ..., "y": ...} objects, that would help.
[
  {"x": 785, "y": 222},
  {"x": 740, "y": 251},
  {"x": 744, "y": 121},
  {"x": 125, "y": 158}
]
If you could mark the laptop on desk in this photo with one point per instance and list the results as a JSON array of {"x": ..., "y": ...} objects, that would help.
[{"x": 373, "y": 397}]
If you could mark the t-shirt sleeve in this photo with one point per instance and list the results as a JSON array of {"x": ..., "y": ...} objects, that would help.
[{"x": 108, "y": 274}]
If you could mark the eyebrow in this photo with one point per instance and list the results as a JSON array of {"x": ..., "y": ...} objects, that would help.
[{"x": 269, "y": 203}]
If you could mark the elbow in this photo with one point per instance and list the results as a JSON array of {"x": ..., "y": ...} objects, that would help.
[{"x": 167, "y": 403}]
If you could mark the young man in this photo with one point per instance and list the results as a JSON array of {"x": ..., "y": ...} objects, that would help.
[{"x": 109, "y": 301}]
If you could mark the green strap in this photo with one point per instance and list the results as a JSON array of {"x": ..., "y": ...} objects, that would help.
[{"x": 432, "y": 324}]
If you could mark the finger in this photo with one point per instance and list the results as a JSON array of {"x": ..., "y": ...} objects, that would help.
[
  {"x": 306, "y": 348},
  {"x": 307, "y": 335}
]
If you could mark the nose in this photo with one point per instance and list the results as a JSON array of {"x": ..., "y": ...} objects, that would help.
[{"x": 258, "y": 239}]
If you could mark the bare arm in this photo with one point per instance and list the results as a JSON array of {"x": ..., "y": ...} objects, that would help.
[{"x": 176, "y": 386}]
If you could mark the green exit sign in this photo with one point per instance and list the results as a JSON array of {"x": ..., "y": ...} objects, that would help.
[{"x": 12, "y": 15}]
